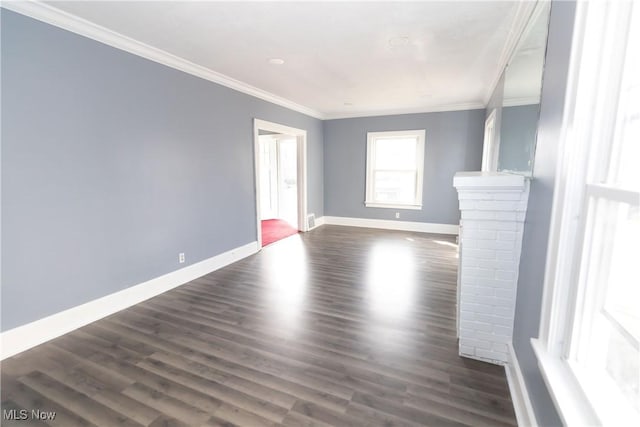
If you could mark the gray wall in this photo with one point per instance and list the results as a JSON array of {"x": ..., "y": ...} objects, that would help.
[
  {"x": 453, "y": 143},
  {"x": 518, "y": 137},
  {"x": 113, "y": 164},
  {"x": 536, "y": 229}
]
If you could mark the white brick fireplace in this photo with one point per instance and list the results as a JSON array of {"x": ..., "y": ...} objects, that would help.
[{"x": 493, "y": 207}]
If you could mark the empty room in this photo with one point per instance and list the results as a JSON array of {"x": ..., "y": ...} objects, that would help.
[{"x": 320, "y": 213}]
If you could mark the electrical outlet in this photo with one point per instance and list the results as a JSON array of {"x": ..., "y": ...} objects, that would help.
[
  {"x": 181, "y": 257},
  {"x": 397, "y": 215}
]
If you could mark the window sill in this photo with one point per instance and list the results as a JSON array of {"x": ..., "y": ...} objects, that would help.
[
  {"x": 392, "y": 206},
  {"x": 573, "y": 406}
]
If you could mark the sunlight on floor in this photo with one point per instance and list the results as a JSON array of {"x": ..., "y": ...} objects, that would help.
[
  {"x": 287, "y": 284},
  {"x": 391, "y": 281}
]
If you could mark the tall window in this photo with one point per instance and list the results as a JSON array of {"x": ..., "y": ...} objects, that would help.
[
  {"x": 395, "y": 162},
  {"x": 590, "y": 330}
]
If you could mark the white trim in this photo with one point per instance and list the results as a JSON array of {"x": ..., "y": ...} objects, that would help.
[
  {"x": 401, "y": 111},
  {"x": 521, "y": 18},
  {"x": 491, "y": 144},
  {"x": 421, "y": 227},
  {"x": 521, "y": 102},
  {"x": 256, "y": 171},
  {"x": 391, "y": 206},
  {"x": 489, "y": 180},
  {"x": 51, "y": 15},
  {"x": 583, "y": 395},
  {"x": 525, "y": 414},
  {"x": 24, "y": 337},
  {"x": 372, "y": 138},
  {"x": 301, "y": 137},
  {"x": 319, "y": 221},
  {"x": 565, "y": 391},
  {"x": 279, "y": 128},
  {"x": 302, "y": 184}
]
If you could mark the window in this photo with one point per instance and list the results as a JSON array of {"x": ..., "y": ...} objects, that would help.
[
  {"x": 395, "y": 162},
  {"x": 589, "y": 346}
]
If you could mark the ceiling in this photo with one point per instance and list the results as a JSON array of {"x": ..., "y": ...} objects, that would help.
[{"x": 341, "y": 59}]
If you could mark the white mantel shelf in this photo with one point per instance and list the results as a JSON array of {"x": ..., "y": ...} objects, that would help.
[
  {"x": 493, "y": 206},
  {"x": 490, "y": 180}
]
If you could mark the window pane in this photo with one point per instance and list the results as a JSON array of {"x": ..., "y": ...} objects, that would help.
[
  {"x": 396, "y": 153},
  {"x": 622, "y": 303},
  {"x": 627, "y": 170},
  {"x": 623, "y": 290},
  {"x": 607, "y": 344},
  {"x": 624, "y": 168},
  {"x": 395, "y": 187},
  {"x": 622, "y": 364}
]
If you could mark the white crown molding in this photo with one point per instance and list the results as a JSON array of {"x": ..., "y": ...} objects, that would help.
[
  {"x": 24, "y": 337},
  {"x": 46, "y": 13},
  {"x": 521, "y": 17},
  {"x": 416, "y": 110},
  {"x": 56, "y": 17}
]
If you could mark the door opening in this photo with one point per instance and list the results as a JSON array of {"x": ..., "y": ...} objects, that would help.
[
  {"x": 491, "y": 146},
  {"x": 280, "y": 168}
]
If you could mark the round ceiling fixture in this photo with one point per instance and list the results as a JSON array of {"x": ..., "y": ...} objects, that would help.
[
  {"x": 398, "y": 41},
  {"x": 276, "y": 61}
]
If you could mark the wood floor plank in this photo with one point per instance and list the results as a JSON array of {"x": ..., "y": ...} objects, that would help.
[
  {"x": 170, "y": 407},
  {"x": 166, "y": 421},
  {"x": 207, "y": 365},
  {"x": 455, "y": 412},
  {"x": 375, "y": 417},
  {"x": 295, "y": 356},
  {"x": 339, "y": 326},
  {"x": 216, "y": 390},
  {"x": 31, "y": 399},
  {"x": 294, "y": 419},
  {"x": 14, "y": 415},
  {"x": 131, "y": 408},
  {"x": 75, "y": 401},
  {"x": 495, "y": 407},
  {"x": 412, "y": 414},
  {"x": 318, "y": 413}
]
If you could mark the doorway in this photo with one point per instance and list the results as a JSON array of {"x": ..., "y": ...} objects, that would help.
[
  {"x": 491, "y": 146},
  {"x": 280, "y": 168}
]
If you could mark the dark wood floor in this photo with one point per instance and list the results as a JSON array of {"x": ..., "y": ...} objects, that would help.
[{"x": 339, "y": 326}]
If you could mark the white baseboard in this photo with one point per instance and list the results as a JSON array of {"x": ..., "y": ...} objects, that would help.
[
  {"x": 24, "y": 337},
  {"x": 319, "y": 222},
  {"x": 519, "y": 395},
  {"x": 422, "y": 227}
]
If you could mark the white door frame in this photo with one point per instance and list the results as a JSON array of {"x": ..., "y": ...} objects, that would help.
[
  {"x": 301, "y": 138},
  {"x": 273, "y": 157},
  {"x": 491, "y": 147}
]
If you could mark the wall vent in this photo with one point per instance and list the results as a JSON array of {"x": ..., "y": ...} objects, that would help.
[{"x": 311, "y": 221}]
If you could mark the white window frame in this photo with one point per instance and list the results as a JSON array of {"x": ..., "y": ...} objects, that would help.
[
  {"x": 372, "y": 137},
  {"x": 601, "y": 30}
]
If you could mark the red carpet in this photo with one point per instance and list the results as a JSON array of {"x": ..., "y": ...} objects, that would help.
[{"x": 274, "y": 230}]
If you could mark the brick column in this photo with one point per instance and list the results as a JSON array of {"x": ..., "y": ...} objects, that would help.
[{"x": 493, "y": 208}]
